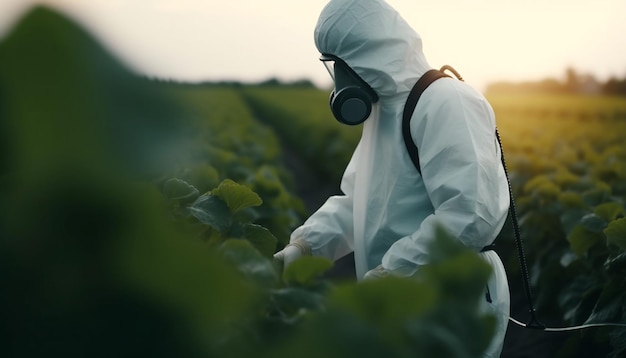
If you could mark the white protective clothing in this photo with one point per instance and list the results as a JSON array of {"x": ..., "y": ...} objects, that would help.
[
  {"x": 293, "y": 251},
  {"x": 389, "y": 212}
]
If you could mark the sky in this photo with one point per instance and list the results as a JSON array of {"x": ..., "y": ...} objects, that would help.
[{"x": 253, "y": 40}]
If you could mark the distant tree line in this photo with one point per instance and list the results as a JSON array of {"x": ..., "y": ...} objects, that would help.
[
  {"x": 574, "y": 83},
  {"x": 271, "y": 82}
]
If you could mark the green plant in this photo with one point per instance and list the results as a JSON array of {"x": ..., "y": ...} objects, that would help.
[
  {"x": 223, "y": 213},
  {"x": 566, "y": 156}
]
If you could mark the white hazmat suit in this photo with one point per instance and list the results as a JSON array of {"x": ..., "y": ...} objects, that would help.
[{"x": 389, "y": 211}]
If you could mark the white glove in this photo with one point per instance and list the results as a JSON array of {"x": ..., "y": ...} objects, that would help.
[
  {"x": 293, "y": 251},
  {"x": 378, "y": 272}
]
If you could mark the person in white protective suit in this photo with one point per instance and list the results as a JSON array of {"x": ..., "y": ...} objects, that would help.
[{"x": 389, "y": 212}]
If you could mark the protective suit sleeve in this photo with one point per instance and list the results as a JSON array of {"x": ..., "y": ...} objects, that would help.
[
  {"x": 329, "y": 231},
  {"x": 454, "y": 129}
]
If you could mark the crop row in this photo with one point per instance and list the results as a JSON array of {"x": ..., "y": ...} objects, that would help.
[
  {"x": 228, "y": 143},
  {"x": 569, "y": 178},
  {"x": 302, "y": 119},
  {"x": 566, "y": 158},
  {"x": 139, "y": 218}
]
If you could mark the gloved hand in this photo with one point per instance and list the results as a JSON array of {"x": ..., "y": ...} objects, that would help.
[
  {"x": 293, "y": 251},
  {"x": 377, "y": 272}
]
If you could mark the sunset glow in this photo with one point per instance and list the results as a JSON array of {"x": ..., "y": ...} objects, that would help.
[{"x": 248, "y": 40}]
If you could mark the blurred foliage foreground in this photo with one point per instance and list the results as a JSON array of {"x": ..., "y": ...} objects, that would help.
[{"x": 102, "y": 254}]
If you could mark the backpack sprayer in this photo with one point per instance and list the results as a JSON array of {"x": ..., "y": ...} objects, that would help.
[
  {"x": 534, "y": 322},
  {"x": 414, "y": 96}
]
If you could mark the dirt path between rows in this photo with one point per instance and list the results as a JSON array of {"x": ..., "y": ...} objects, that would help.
[
  {"x": 310, "y": 186},
  {"x": 313, "y": 189}
]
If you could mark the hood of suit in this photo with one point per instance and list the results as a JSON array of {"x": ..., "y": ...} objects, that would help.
[{"x": 375, "y": 41}]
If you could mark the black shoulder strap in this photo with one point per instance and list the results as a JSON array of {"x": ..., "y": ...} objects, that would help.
[
  {"x": 421, "y": 85},
  {"x": 411, "y": 102}
]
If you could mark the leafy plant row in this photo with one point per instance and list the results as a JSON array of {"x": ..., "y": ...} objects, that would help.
[
  {"x": 302, "y": 119},
  {"x": 293, "y": 312},
  {"x": 139, "y": 219},
  {"x": 228, "y": 143},
  {"x": 569, "y": 179},
  {"x": 566, "y": 159}
]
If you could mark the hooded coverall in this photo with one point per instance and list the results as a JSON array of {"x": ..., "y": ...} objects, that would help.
[{"x": 389, "y": 212}]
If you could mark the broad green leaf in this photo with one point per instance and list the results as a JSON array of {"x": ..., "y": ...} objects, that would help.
[
  {"x": 212, "y": 211},
  {"x": 616, "y": 263},
  {"x": 593, "y": 222},
  {"x": 292, "y": 299},
  {"x": 543, "y": 187},
  {"x": 445, "y": 246},
  {"x": 459, "y": 272},
  {"x": 536, "y": 182},
  {"x": 461, "y": 278},
  {"x": 565, "y": 178},
  {"x": 571, "y": 200},
  {"x": 598, "y": 195},
  {"x": 570, "y": 296},
  {"x": 570, "y": 218},
  {"x": 616, "y": 233},
  {"x": 306, "y": 269},
  {"x": 390, "y": 298},
  {"x": 609, "y": 211},
  {"x": 608, "y": 308},
  {"x": 587, "y": 302},
  {"x": 250, "y": 215},
  {"x": 261, "y": 238},
  {"x": 205, "y": 177},
  {"x": 236, "y": 196},
  {"x": 250, "y": 262},
  {"x": 335, "y": 333},
  {"x": 178, "y": 189},
  {"x": 581, "y": 239}
]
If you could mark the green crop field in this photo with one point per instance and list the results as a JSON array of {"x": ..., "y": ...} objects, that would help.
[
  {"x": 139, "y": 217},
  {"x": 303, "y": 119},
  {"x": 567, "y": 158},
  {"x": 567, "y": 161}
]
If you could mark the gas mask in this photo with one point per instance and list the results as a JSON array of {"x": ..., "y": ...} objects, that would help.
[{"x": 351, "y": 100}]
